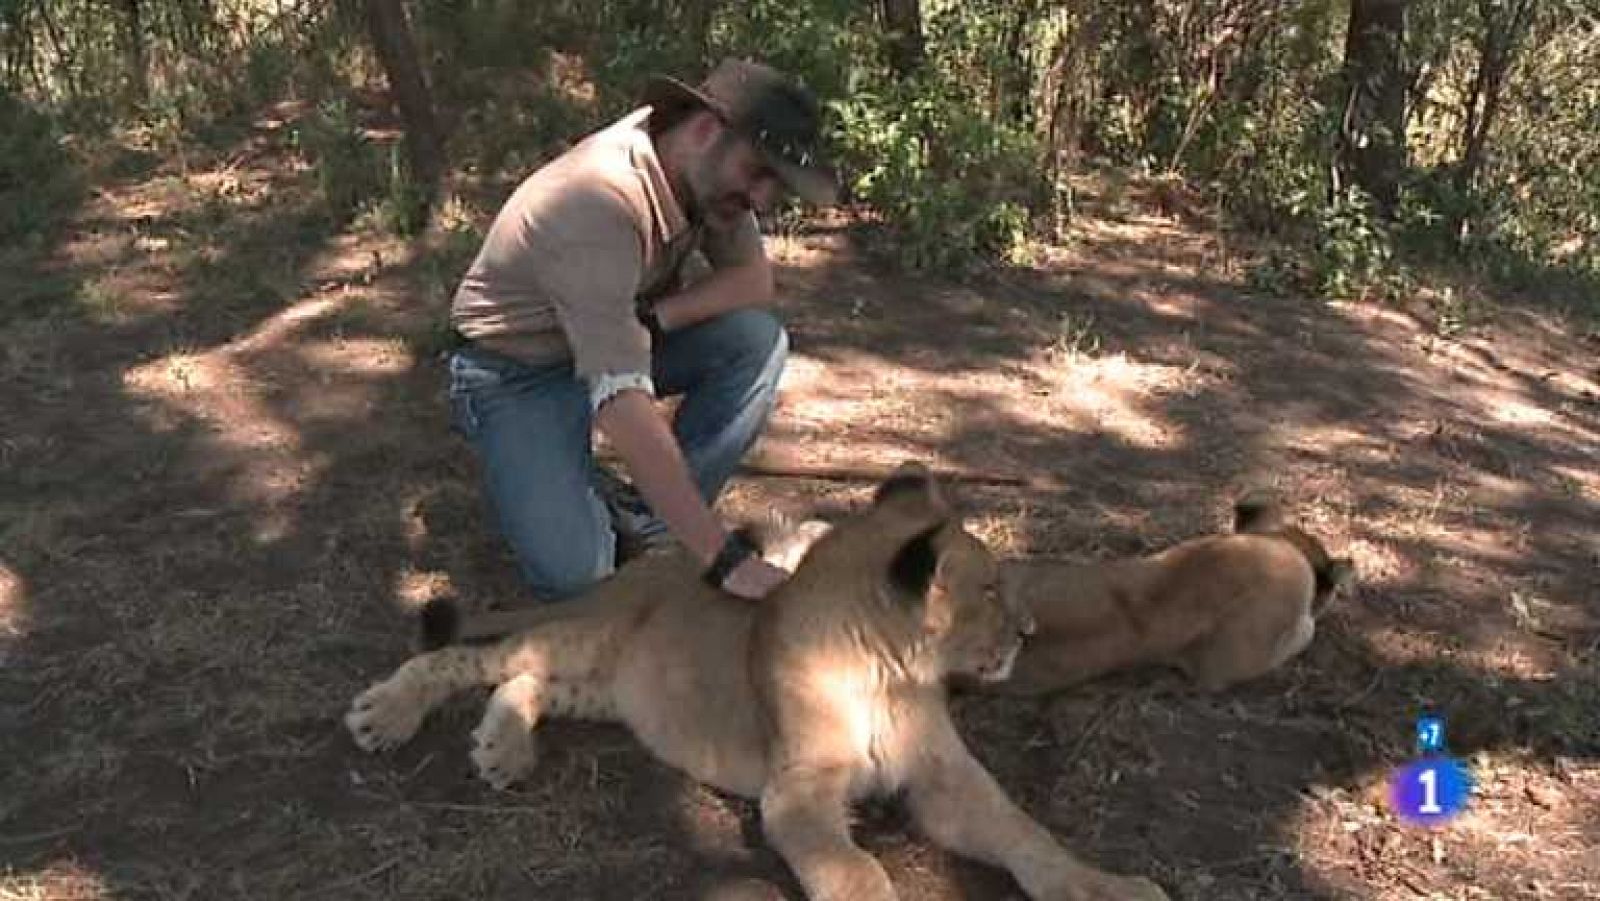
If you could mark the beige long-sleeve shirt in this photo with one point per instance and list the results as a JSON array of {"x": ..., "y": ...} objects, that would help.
[{"x": 581, "y": 243}]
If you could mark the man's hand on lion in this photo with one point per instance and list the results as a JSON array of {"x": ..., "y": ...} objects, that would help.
[{"x": 754, "y": 578}]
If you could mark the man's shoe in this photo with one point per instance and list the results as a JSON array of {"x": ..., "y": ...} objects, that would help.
[{"x": 638, "y": 529}]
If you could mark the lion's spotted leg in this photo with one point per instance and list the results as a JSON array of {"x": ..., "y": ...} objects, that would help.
[
  {"x": 389, "y": 713},
  {"x": 503, "y": 748},
  {"x": 805, "y": 816},
  {"x": 554, "y": 671},
  {"x": 960, "y": 806}
]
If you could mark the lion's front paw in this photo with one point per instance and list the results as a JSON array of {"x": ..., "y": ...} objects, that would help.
[
  {"x": 503, "y": 750},
  {"x": 383, "y": 717}
]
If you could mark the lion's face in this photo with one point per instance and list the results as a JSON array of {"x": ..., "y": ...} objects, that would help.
[
  {"x": 941, "y": 580},
  {"x": 981, "y": 627},
  {"x": 948, "y": 581}
]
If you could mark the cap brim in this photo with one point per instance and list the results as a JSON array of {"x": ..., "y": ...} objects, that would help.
[
  {"x": 813, "y": 184},
  {"x": 662, "y": 92}
]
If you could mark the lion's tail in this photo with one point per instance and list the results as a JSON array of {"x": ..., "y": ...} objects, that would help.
[{"x": 441, "y": 622}]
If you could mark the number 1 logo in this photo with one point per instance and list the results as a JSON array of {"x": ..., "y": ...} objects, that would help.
[
  {"x": 1429, "y": 779},
  {"x": 1430, "y": 791}
]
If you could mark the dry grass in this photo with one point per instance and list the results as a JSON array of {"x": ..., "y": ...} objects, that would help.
[{"x": 228, "y": 477}]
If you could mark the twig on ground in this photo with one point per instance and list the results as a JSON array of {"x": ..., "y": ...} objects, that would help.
[
  {"x": 791, "y": 469},
  {"x": 1361, "y": 695},
  {"x": 456, "y": 808},
  {"x": 31, "y": 837},
  {"x": 478, "y": 808},
  {"x": 1101, "y": 717},
  {"x": 771, "y": 465},
  {"x": 384, "y": 867}
]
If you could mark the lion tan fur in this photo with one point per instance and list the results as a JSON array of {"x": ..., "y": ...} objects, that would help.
[
  {"x": 1221, "y": 608},
  {"x": 829, "y": 690}
]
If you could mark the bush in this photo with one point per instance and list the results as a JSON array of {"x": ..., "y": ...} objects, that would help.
[
  {"x": 38, "y": 181},
  {"x": 1336, "y": 248},
  {"x": 1352, "y": 248},
  {"x": 953, "y": 187},
  {"x": 347, "y": 165}
]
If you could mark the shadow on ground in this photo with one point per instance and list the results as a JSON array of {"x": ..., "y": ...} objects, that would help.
[{"x": 233, "y": 476}]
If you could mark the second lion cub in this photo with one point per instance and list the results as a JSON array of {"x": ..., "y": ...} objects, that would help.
[{"x": 1222, "y": 609}]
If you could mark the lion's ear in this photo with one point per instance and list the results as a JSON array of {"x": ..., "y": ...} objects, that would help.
[
  {"x": 914, "y": 566},
  {"x": 1331, "y": 577},
  {"x": 919, "y": 575},
  {"x": 1257, "y": 511},
  {"x": 1338, "y": 573},
  {"x": 908, "y": 479},
  {"x": 912, "y": 493}
]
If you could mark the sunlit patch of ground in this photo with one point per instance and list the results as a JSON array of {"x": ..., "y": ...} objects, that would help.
[
  {"x": 238, "y": 482},
  {"x": 13, "y": 597},
  {"x": 64, "y": 880}
]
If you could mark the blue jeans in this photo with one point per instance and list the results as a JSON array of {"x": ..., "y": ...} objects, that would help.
[{"x": 532, "y": 429}]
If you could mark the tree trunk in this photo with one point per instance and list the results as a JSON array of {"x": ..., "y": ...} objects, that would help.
[
  {"x": 902, "y": 31},
  {"x": 1372, "y": 149},
  {"x": 1061, "y": 94},
  {"x": 1015, "y": 79},
  {"x": 1504, "y": 27},
  {"x": 697, "y": 16},
  {"x": 16, "y": 47},
  {"x": 61, "y": 49},
  {"x": 397, "y": 53},
  {"x": 135, "y": 66}
]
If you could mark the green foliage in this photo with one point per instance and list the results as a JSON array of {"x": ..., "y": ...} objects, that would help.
[
  {"x": 952, "y": 187},
  {"x": 1352, "y": 249},
  {"x": 344, "y": 162},
  {"x": 357, "y": 176},
  {"x": 402, "y": 206},
  {"x": 38, "y": 179},
  {"x": 1540, "y": 193},
  {"x": 829, "y": 44},
  {"x": 1340, "y": 249},
  {"x": 1454, "y": 313},
  {"x": 1532, "y": 213},
  {"x": 1244, "y": 99}
]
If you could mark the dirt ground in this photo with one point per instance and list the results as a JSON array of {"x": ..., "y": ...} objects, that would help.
[{"x": 226, "y": 478}]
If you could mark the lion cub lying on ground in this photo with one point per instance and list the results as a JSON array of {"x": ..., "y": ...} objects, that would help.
[
  {"x": 1223, "y": 609},
  {"x": 828, "y": 690}
]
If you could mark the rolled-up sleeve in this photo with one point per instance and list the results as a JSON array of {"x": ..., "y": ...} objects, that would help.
[
  {"x": 592, "y": 260},
  {"x": 607, "y": 385}
]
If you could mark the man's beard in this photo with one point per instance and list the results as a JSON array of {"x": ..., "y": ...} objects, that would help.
[
  {"x": 727, "y": 208},
  {"x": 709, "y": 199}
]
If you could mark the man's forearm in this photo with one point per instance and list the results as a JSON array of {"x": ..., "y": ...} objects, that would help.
[
  {"x": 652, "y": 456},
  {"x": 732, "y": 288}
]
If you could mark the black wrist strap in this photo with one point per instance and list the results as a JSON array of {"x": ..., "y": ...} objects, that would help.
[
  {"x": 651, "y": 319},
  {"x": 736, "y": 549}
]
